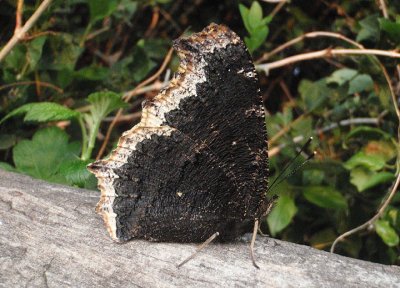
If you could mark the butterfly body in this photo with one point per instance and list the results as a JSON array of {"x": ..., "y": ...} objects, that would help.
[{"x": 197, "y": 163}]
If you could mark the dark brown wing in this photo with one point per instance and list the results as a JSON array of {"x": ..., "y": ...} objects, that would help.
[{"x": 197, "y": 162}]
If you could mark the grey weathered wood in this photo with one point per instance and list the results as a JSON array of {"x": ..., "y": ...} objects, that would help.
[{"x": 51, "y": 236}]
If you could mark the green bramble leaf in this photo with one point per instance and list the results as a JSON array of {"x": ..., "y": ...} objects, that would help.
[
  {"x": 34, "y": 51},
  {"x": 362, "y": 82},
  {"x": 103, "y": 103},
  {"x": 42, "y": 156},
  {"x": 325, "y": 197},
  {"x": 43, "y": 112},
  {"x": 373, "y": 162},
  {"x": 369, "y": 29},
  {"x": 391, "y": 28},
  {"x": 387, "y": 233},
  {"x": 341, "y": 76},
  {"x": 99, "y": 9},
  {"x": 282, "y": 214},
  {"x": 364, "y": 179},
  {"x": 76, "y": 173}
]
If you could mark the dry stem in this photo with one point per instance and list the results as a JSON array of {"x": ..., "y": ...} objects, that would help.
[
  {"x": 315, "y": 34},
  {"x": 20, "y": 33},
  {"x": 324, "y": 53}
]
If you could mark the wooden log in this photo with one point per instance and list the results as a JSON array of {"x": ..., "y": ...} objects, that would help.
[{"x": 51, "y": 237}]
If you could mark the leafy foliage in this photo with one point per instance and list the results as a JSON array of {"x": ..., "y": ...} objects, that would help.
[{"x": 56, "y": 101}]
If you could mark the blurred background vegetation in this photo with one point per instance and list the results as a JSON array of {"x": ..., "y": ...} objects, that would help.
[{"x": 63, "y": 82}]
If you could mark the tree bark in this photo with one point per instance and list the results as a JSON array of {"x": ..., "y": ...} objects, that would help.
[{"x": 50, "y": 236}]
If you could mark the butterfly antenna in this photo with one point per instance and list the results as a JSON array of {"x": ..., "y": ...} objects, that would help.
[
  {"x": 281, "y": 175},
  {"x": 201, "y": 247},
  {"x": 297, "y": 168}
]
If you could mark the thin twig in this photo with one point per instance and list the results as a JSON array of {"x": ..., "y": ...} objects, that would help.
[
  {"x": 277, "y": 8},
  {"x": 347, "y": 122},
  {"x": 18, "y": 16},
  {"x": 382, "y": 6},
  {"x": 21, "y": 32},
  {"x": 371, "y": 221},
  {"x": 314, "y": 34},
  {"x": 44, "y": 84},
  {"x": 324, "y": 53},
  {"x": 127, "y": 97}
]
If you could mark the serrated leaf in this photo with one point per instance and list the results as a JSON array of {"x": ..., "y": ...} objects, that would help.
[
  {"x": 282, "y": 214},
  {"x": 42, "y": 156},
  {"x": 43, "y": 112},
  {"x": 100, "y": 9},
  {"x": 387, "y": 233},
  {"x": 325, "y": 197},
  {"x": 369, "y": 29},
  {"x": 362, "y": 82},
  {"x": 255, "y": 16},
  {"x": 92, "y": 73},
  {"x": 104, "y": 103},
  {"x": 364, "y": 179},
  {"x": 314, "y": 94},
  {"x": 34, "y": 51},
  {"x": 341, "y": 76},
  {"x": 391, "y": 28},
  {"x": 373, "y": 162},
  {"x": 76, "y": 173}
]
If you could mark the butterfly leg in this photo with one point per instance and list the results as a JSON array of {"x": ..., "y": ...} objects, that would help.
[
  {"x": 201, "y": 247},
  {"x": 253, "y": 240}
]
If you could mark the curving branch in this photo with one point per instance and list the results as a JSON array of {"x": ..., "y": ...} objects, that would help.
[{"x": 19, "y": 34}]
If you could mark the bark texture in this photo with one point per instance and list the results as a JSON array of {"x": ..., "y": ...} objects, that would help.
[{"x": 50, "y": 236}]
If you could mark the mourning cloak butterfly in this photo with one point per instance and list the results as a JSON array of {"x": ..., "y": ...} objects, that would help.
[{"x": 197, "y": 163}]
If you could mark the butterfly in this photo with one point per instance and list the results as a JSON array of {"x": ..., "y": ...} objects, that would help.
[{"x": 196, "y": 166}]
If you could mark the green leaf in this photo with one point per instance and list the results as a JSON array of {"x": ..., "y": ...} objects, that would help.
[
  {"x": 360, "y": 83},
  {"x": 366, "y": 133},
  {"x": 34, "y": 52},
  {"x": 391, "y": 28},
  {"x": 255, "y": 16},
  {"x": 43, "y": 112},
  {"x": 76, "y": 173},
  {"x": 42, "y": 156},
  {"x": 341, "y": 76},
  {"x": 314, "y": 94},
  {"x": 7, "y": 167},
  {"x": 387, "y": 233},
  {"x": 369, "y": 29},
  {"x": 373, "y": 162},
  {"x": 92, "y": 73},
  {"x": 100, "y": 9},
  {"x": 244, "y": 12},
  {"x": 282, "y": 214},
  {"x": 325, "y": 197},
  {"x": 104, "y": 103},
  {"x": 257, "y": 38},
  {"x": 364, "y": 179}
]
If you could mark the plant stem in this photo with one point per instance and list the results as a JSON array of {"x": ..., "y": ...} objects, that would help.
[
  {"x": 20, "y": 33},
  {"x": 92, "y": 139},
  {"x": 84, "y": 155}
]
